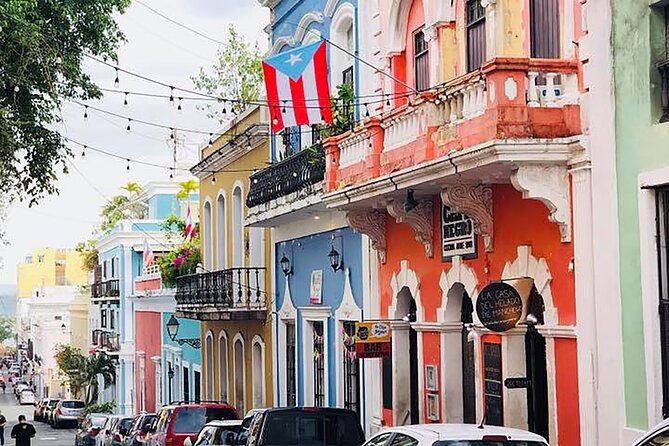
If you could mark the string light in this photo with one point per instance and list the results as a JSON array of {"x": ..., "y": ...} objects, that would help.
[
  {"x": 125, "y": 99},
  {"x": 283, "y": 110},
  {"x": 275, "y": 120},
  {"x": 83, "y": 151},
  {"x": 387, "y": 100},
  {"x": 116, "y": 80},
  {"x": 366, "y": 111},
  {"x": 171, "y": 95},
  {"x": 210, "y": 136},
  {"x": 127, "y": 129},
  {"x": 171, "y": 133},
  {"x": 171, "y": 173},
  {"x": 248, "y": 140},
  {"x": 213, "y": 179},
  {"x": 127, "y": 166},
  {"x": 179, "y": 106},
  {"x": 224, "y": 108},
  {"x": 86, "y": 113},
  {"x": 16, "y": 89}
]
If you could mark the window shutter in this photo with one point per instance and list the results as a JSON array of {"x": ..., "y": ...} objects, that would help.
[{"x": 544, "y": 29}]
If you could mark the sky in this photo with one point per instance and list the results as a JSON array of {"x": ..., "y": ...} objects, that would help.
[{"x": 159, "y": 50}]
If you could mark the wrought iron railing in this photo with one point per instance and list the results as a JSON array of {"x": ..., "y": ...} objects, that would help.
[
  {"x": 233, "y": 288},
  {"x": 108, "y": 288},
  {"x": 292, "y": 174},
  {"x": 664, "y": 89},
  {"x": 107, "y": 340}
]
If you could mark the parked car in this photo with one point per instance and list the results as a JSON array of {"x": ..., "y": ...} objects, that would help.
[
  {"x": 20, "y": 387},
  {"x": 452, "y": 435},
  {"x": 313, "y": 426},
  {"x": 104, "y": 430},
  {"x": 175, "y": 423},
  {"x": 140, "y": 427},
  {"x": 659, "y": 435},
  {"x": 118, "y": 431},
  {"x": 48, "y": 410},
  {"x": 217, "y": 432},
  {"x": 27, "y": 397},
  {"x": 89, "y": 429},
  {"x": 38, "y": 412},
  {"x": 67, "y": 412},
  {"x": 243, "y": 433}
]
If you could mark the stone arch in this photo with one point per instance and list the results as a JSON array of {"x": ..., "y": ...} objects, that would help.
[
  {"x": 526, "y": 265},
  {"x": 405, "y": 278},
  {"x": 460, "y": 275}
]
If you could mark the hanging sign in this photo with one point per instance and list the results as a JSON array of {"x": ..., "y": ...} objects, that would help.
[
  {"x": 517, "y": 383},
  {"x": 372, "y": 339},
  {"x": 457, "y": 235},
  {"x": 492, "y": 389},
  {"x": 316, "y": 288},
  {"x": 499, "y": 306}
]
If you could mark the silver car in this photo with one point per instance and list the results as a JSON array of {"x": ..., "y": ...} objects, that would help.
[{"x": 67, "y": 412}]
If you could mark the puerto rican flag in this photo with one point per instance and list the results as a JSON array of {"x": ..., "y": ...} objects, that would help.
[
  {"x": 190, "y": 226},
  {"x": 148, "y": 256},
  {"x": 296, "y": 82}
]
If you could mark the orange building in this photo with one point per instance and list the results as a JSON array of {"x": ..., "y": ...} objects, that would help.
[{"x": 470, "y": 174}]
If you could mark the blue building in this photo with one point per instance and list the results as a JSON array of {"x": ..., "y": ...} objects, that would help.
[
  {"x": 112, "y": 317},
  {"x": 319, "y": 262}
]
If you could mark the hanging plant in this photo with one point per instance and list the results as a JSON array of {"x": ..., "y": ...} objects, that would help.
[{"x": 179, "y": 262}]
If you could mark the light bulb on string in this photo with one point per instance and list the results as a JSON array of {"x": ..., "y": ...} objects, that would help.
[
  {"x": 127, "y": 129},
  {"x": 366, "y": 111},
  {"x": 179, "y": 106},
  {"x": 116, "y": 80},
  {"x": 224, "y": 111},
  {"x": 171, "y": 173},
  {"x": 171, "y": 133},
  {"x": 125, "y": 99},
  {"x": 171, "y": 95},
  {"x": 127, "y": 166},
  {"x": 283, "y": 110},
  {"x": 210, "y": 136},
  {"x": 248, "y": 140},
  {"x": 387, "y": 100},
  {"x": 275, "y": 120},
  {"x": 85, "y": 112},
  {"x": 213, "y": 179},
  {"x": 83, "y": 152}
]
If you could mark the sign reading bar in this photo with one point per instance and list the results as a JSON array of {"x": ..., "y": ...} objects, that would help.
[
  {"x": 517, "y": 383},
  {"x": 499, "y": 306},
  {"x": 457, "y": 235},
  {"x": 372, "y": 339}
]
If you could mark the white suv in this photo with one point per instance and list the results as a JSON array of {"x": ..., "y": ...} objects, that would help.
[
  {"x": 659, "y": 435},
  {"x": 454, "y": 435}
]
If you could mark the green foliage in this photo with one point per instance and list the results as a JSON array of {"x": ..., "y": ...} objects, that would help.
[
  {"x": 186, "y": 188},
  {"x": 88, "y": 254},
  {"x": 82, "y": 372},
  {"x": 133, "y": 189},
  {"x": 6, "y": 328},
  {"x": 238, "y": 74},
  {"x": 106, "y": 407},
  {"x": 120, "y": 207},
  {"x": 179, "y": 262},
  {"x": 343, "y": 118},
  {"x": 42, "y": 47},
  {"x": 71, "y": 363}
]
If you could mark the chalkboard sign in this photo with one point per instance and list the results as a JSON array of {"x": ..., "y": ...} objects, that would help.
[
  {"x": 499, "y": 306},
  {"x": 492, "y": 377}
]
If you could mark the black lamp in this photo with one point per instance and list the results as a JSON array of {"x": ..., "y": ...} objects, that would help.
[
  {"x": 173, "y": 328},
  {"x": 285, "y": 265},
  {"x": 410, "y": 203},
  {"x": 335, "y": 263}
]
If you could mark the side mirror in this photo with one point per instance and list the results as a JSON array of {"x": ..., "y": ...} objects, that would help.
[{"x": 188, "y": 442}]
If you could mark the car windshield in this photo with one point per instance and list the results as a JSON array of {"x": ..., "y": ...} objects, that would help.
[
  {"x": 488, "y": 443},
  {"x": 191, "y": 419},
  {"x": 312, "y": 429},
  {"x": 226, "y": 435},
  {"x": 125, "y": 423},
  {"x": 98, "y": 421},
  {"x": 73, "y": 404},
  {"x": 148, "y": 421},
  {"x": 53, "y": 403}
]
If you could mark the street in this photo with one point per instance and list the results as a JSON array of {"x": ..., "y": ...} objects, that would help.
[{"x": 45, "y": 434}]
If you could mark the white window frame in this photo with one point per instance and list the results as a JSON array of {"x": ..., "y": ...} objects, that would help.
[
  {"x": 258, "y": 372},
  {"x": 195, "y": 368},
  {"x": 158, "y": 376},
  {"x": 221, "y": 230},
  {"x": 142, "y": 380},
  {"x": 239, "y": 337},
  {"x": 238, "y": 225},
  {"x": 206, "y": 227},
  {"x": 339, "y": 60},
  {"x": 309, "y": 315},
  {"x": 286, "y": 314},
  {"x": 186, "y": 368},
  {"x": 223, "y": 371},
  {"x": 208, "y": 358}
]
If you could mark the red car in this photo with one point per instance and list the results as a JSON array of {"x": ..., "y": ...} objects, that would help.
[{"x": 177, "y": 422}]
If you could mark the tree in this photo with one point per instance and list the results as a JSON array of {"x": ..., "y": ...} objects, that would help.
[
  {"x": 98, "y": 364},
  {"x": 70, "y": 363},
  {"x": 88, "y": 254},
  {"x": 42, "y": 48},
  {"x": 237, "y": 75},
  {"x": 6, "y": 328},
  {"x": 133, "y": 189},
  {"x": 186, "y": 188}
]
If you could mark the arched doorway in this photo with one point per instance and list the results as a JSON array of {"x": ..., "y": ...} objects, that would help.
[
  {"x": 535, "y": 365},
  {"x": 405, "y": 373}
]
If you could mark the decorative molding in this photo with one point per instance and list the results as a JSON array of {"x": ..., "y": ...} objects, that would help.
[
  {"x": 526, "y": 265},
  {"x": 287, "y": 310},
  {"x": 329, "y": 9},
  {"x": 302, "y": 27},
  {"x": 348, "y": 309},
  {"x": 419, "y": 218},
  {"x": 550, "y": 185},
  {"x": 372, "y": 223},
  {"x": 459, "y": 273},
  {"x": 430, "y": 32},
  {"x": 405, "y": 277},
  {"x": 476, "y": 203}
]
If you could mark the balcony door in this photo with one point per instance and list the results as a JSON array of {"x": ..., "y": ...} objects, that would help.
[
  {"x": 237, "y": 228},
  {"x": 544, "y": 29}
]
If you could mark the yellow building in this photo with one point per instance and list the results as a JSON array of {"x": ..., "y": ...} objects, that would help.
[
  {"x": 232, "y": 297},
  {"x": 79, "y": 328},
  {"x": 49, "y": 267}
]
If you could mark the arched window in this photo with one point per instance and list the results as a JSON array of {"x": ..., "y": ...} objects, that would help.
[
  {"x": 342, "y": 33},
  {"x": 223, "y": 365},
  {"x": 209, "y": 364},
  {"x": 221, "y": 255},
  {"x": 237, "y": 228},
  {"x": 258, "y": 368},
  {"x": 206, "y": 235},
  {"x": 238, "y": 358}
]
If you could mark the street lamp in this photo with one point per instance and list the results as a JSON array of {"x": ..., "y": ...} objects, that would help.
[
  {"x": 334, "y": 257},
  {"x": 173, "y": 330},
  {"x": 285, "y": 265},
  {"x": 170, "y": 375}
]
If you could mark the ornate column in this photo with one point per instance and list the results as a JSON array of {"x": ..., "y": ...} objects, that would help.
[
  {"x": 372, "y": 223},
  {"x": 419, "y": 218}
]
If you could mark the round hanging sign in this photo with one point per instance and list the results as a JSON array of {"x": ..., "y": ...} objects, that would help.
[{"x": 499, "y": 306}]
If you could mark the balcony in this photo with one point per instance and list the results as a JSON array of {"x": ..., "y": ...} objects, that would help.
[
  {"x": 149, "y": 282},
  {"x": 106, "y": 341},
  {"x": 286, "y": 185},
  {"x": 509, "y": 104},
  {"x": 229, "y": 294},
  {"x": 105, "y": 291}
]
